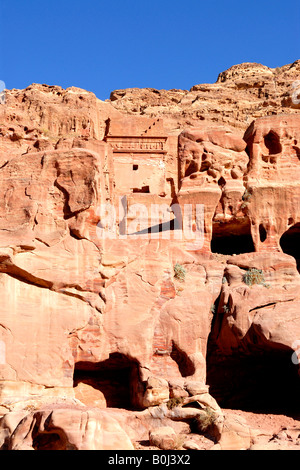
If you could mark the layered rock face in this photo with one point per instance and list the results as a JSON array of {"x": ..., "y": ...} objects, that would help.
[
  {"x": 143, "y": 259},
  {"x": 242, "y": 93}
]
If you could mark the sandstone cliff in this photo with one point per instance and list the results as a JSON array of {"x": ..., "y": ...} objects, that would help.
[
  {"x": 242, "y": 93},
  {"x": 149, "y": 261}
]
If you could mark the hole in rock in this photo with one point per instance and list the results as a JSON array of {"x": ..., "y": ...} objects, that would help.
[
  {"x": 135, "y": 167},
  {"x": 193, "y": 404},
  {"x": 206, "y": 164},
  {"x": 264, "y": 382},
  {"x": 297, "y": 151},
  {"x": 116, "y": 377},
  {"x": 144, "y": 189},
  {"x": 232, "y": 238},
  {"x": 191, "y": 168},
  {"x": 221, "y": 181},
  {"x": 272, "y": 142},
  {"x": 185, "y": 365},
  {"x": 290, "y": 243},
  {"x": 50, "y": 441},
  {"x": 262, "y": 233}
]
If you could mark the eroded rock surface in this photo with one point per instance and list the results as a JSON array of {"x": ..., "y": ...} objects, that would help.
[
  {"x": 149, "y": 261},
  {"x": 242, "y": 93}
]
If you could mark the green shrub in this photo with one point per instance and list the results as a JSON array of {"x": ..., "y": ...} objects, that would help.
[
  {"x": 246, "y": 198},
  {"x": 173, "y": 402},
  {"x": 254, "y": 276},
  {"x": 204, "y": 423},
  {"x": 179, "y": 272},
  {"x": 247, "y": 195}
]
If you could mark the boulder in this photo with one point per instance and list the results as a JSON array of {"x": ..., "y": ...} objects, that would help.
[
  {"x": 62, "y": 429},
  {"x": 165, "y": 438}
]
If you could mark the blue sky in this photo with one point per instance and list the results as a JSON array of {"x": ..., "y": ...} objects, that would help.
[{"x": 111, "y": 44}]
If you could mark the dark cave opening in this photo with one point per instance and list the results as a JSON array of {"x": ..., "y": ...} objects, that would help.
[
  {"x": 143, "y": 189},
  {"x": 272, "y": 142},
  {"x": 185, "y": 365},
  {"x": 51, "y": 441},
  {"x": 262, "y": 233},
  {"x": 231, "y": 238},
  {"x": 192, "y": 168},
  {"x": 262, "y": 382},
  {"x": 290, "y": 243},
  {"x": 115, "y": 377}
]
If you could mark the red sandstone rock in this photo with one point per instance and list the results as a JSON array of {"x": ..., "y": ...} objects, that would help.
[
  {"x": 106, "y": 320},
  {"x": 62, "y": 429},
  {"x": 242, "y": 93},
  {"x": 273, "y": 177}
]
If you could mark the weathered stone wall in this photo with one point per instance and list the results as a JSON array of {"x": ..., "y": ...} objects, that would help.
[{"x": 73, "y": 302}]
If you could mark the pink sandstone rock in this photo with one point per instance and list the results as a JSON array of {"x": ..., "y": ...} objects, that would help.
[
  {"x": 62, "y": 429},
  {"x": 273, "y": 144},
  {"x": 106, "y": 320}
]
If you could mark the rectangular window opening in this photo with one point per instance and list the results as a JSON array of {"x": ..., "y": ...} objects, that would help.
[{"x": 144, "y": 189}]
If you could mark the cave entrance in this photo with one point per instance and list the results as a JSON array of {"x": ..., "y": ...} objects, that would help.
[
  {"x": 290, "y": 243},
  {"x": 231, "y": 238},
  {"x": 272, "y": 143},
  {"x": 264, "y": 382},
  {"x": 116, "y": 378}
]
